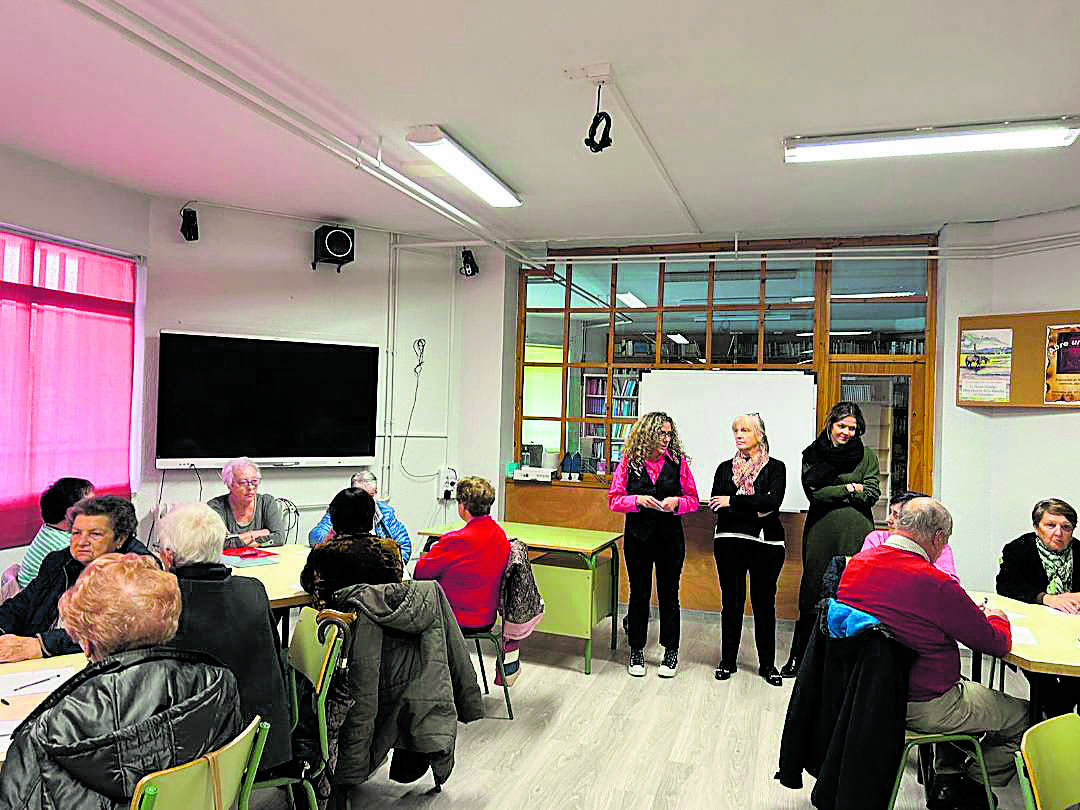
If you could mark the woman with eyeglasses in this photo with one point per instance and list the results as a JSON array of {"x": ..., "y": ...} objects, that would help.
[
  {"x": 252, "y": 519},
  {"x": 1040, "y": 567},
  {"x": 747, "y": 492},
  {"x": 653, "y": 487}
]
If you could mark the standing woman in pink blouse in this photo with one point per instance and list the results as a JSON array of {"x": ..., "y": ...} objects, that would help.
[{"x": 653, "y": 486}]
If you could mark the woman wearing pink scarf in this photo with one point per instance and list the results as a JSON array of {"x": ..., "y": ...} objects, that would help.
[{"x": 746, "y": 495}]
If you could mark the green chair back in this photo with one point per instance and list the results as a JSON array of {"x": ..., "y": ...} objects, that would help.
[
  {"x": 309, "y": 656},
  {"x": 1025, "y": 783},
  {"x": 214, "y": 781},
  {"x": 1049, "y": 750},
  {"x": 315, "y": 661}
]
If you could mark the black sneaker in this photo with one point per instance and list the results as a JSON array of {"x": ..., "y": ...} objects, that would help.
[
  {"x": 667, "y": 666},
  {"x": 636, "y": 667}
]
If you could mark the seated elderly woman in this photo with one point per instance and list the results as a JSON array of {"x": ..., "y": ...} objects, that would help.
[
  {"x": 469, "y": 562},
  {"x": 137, "y": 708},
  {"x": 1039, "y": 567},
  {"x": 28, "y": 620},
  {"x": 229, "y": 618},
  {"x": 251, "y": 519}
]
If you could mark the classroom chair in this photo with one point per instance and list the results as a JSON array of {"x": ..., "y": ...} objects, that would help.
[
  {"x": 1025, "y": 783},
  {"x": 494, "y": 635},
  {"x": 313, "y": 654},
  {"x": 913, "y": 739},
  {"x": 1049, "y": 753},
  {"x": 215, "y": 781}
]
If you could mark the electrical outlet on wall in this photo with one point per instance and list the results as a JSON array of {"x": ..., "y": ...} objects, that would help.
[{"x": 447, "y": 484}]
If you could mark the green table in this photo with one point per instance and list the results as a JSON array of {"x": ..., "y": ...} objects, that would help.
[{"x": 569, "y": 575}]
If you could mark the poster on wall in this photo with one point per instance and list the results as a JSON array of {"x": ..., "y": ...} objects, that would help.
[
  {"x": 1062, "y": 365},
  {"x": 985, "y": 373}
]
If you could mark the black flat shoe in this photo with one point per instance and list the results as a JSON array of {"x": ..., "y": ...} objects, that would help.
[
  {"x": 957, "y": 793},
  {"x": 771, "y": 676},
  {"x": 791, "y": 668},
  {"x": 723, "y": 672}
]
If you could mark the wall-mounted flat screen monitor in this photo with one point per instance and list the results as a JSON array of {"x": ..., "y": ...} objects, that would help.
[{"x": 280, "y": 402}]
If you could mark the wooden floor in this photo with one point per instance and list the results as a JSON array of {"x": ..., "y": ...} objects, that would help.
[{"x": 607, "y": 740}]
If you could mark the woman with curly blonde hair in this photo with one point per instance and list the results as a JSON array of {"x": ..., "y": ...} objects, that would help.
[{"x": 652, "y": 485}]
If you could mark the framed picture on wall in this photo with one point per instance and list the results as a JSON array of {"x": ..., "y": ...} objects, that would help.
[{"x": 1062, "y": 365}]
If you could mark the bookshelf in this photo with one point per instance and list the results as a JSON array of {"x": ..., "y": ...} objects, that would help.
[
  {"x": 594, "y": 405},
  {"x": 884, "y": 403}
]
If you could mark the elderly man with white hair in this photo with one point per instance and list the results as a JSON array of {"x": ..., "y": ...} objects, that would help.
[
  {"x": 386, "y": 521},
  {"x": 251, "y": 518},
  {"x": 229, "y": 618},
  {"x": 928, "y": 612}
]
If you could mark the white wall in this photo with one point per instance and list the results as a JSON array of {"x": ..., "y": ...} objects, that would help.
[
  {"x": 46, "y": 197},
  {"x": 482, "y": 410},
  {"x": 992, "y": 464},
  {"x": 251, "y": 274}
]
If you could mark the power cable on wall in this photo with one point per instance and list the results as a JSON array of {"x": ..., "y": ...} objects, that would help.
[{"x": 418, "y": 349}]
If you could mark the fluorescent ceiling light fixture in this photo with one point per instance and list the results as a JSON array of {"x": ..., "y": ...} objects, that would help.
[
  {"x": 630, "y": 300},
  {"x": 808, "y": 298},
  {"x": 678, "y": 338},
  {"x": 946, "y": 140},
  {"x": 835, "y": 334},
  {"x": 451, "y": 157}
]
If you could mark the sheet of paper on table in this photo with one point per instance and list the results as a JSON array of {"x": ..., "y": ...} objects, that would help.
[
  {"x": 1024, "y": 636},
  {"x": 7, "y": 727},
  {"x": 34, "y": 682}
]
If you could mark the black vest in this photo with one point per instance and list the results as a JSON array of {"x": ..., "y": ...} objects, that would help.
[{"x": 645, "y": 522}]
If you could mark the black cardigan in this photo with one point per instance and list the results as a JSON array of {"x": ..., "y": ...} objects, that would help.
[
  {"x": 1022, "y": 575},
  {"x": 742, "y": 515},
  {"x": 229, "y": 618}
]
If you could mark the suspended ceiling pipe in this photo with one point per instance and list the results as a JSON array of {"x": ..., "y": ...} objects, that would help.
[{"x": 142, "y": 32}]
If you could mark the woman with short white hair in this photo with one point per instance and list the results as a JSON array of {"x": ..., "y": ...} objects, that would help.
[
  {"x": 250, "y": 518},
  {"x": 228, "y": 617}
]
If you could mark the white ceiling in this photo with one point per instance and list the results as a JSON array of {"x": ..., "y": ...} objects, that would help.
[{"x": 716, "y": 85}]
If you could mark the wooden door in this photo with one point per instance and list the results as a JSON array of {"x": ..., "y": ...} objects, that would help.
[{"x": 895, "y": 400}]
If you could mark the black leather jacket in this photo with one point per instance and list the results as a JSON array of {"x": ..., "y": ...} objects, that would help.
[
  {"x": 88, "y": 745},
  {"x": 33, "y": 612}
]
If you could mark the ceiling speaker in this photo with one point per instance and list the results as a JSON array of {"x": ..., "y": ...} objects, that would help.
[{"x": 334, "y": 244}]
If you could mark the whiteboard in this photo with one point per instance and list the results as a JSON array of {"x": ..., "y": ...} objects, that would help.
[{"x": 704, "y": 403}]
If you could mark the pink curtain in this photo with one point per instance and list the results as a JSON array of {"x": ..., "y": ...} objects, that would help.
[{"x": 67, "y": 329}]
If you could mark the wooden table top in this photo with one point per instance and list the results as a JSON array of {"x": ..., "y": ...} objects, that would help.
[
  {"x": 536, "y": 536},
  {"x": 1057, "y": 635},
  {"x": 282, "y": 579}
]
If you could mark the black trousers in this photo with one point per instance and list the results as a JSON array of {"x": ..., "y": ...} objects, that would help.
[
  {"x": 664, "y": 551},
  {"x": 735, "y": 556},
  {"x": 1058, "y": 694}
]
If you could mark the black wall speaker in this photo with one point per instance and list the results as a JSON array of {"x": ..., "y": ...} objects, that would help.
[{"x": 334, "y": 244}]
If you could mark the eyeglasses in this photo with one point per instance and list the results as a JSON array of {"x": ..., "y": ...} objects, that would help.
[{"x": 247, "y": 483}]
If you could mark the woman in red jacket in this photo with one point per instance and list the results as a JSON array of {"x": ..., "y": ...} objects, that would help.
[{"x": 469, "y": 562}]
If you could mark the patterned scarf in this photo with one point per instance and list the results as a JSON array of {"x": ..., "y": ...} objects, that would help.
[
  {"x": 745, "y": 470},
  {"x": 1058, "y": 566}
]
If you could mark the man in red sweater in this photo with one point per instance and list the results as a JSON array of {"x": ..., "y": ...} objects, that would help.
[
  {"x": 469, "y": 562},
  {"x": 929, "y": 612}
]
